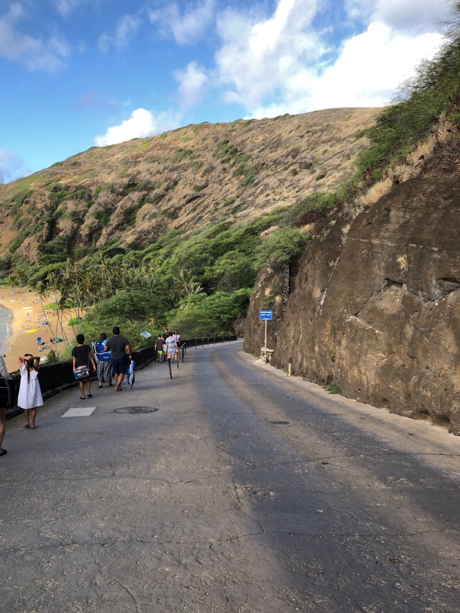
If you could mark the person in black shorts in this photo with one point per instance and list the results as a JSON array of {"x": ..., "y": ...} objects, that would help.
[
  {"x": 118, "y": 345},
  {"x": 82, "y": 356}
]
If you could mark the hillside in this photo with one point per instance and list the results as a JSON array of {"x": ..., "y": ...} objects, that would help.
[{"x": 125, "y": 196}]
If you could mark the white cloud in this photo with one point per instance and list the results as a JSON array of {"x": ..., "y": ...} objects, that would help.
[
  {"x": 34, "y": 53},
  {"x": 193, "y": 81},
  {"x": 281, "y": 64},
  {"x": 371, "y": 67},
  {"x": 141, "y": 124},
  {"x": 259, "y": 58},
  {"x": 401, "y": 15},
  {"x": 65, "y": 7},
  {"x": 11, "y": 167},
  {"x": 187, "y": 27},
  {"x": 104, "y": 42},
  {"x": 126, "y": 29}
]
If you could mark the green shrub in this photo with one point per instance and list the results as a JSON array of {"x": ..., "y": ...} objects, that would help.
[
  {"x": 205, "y": 316},
  {"x": 180, "y": 155},
  {"x": 51, "y": 358},
  {"x": 280, "y": 247},
  {"x": 103, "y": 215},
  {"x": 53, "y": 251},
  {"x": 226, "y": 151},
  {"x": 81, "y": 194}
]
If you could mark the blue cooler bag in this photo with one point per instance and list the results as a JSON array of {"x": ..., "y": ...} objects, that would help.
[
  {"x": 82, "y": 372},
  {"x": 101, "y": 355}
]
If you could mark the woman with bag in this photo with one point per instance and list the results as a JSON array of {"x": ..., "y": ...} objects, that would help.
[
  {"x": 30, "y": 395},
  {"x": 82, "y": 357},
  {"x": 103, "y": 361}
]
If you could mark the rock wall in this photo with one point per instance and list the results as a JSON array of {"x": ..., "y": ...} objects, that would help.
[{"x": 375, "y": 308}]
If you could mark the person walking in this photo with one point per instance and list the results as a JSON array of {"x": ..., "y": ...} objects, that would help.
[
  {"x": 30, "y": 395},
  {"x": 103, "y": 361},
  {"x": 82, "y": 356},
  {"x": 4, "y": 401},
  {"x": 118, "y": 345},
  {"x": 159, "y": 348},
  {"x": 171, "y": 347}
]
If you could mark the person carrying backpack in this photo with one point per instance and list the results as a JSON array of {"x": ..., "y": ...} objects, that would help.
[{"x": 103, "y": 361}]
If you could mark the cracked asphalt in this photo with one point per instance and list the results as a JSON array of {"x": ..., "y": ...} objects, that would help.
[{"x": 246, "y": 491}]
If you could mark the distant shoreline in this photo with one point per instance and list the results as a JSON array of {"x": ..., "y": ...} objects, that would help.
[
  {"x": 25, "y": 325},
  {"x": 5, "y": 333}
]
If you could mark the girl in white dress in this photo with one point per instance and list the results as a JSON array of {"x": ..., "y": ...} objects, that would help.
[{"x": 30, "y": 396}]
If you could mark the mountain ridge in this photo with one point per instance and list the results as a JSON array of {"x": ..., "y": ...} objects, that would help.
[{"x": 122, "y": 196}]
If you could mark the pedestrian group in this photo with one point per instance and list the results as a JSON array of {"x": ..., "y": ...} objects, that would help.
[{"x": 109, "y": 358}]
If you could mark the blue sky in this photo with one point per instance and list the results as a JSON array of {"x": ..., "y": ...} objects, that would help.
[{"x": 79, "y": 73}]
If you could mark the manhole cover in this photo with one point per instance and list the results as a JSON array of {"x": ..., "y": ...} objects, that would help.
[
  {"x": 279, "y": 423},
  {"x": 135, "y": 410}
]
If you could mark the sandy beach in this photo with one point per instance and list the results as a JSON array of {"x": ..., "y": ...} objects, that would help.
[{"x": 26, "y": 325}]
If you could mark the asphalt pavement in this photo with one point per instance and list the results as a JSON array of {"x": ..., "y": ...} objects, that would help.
[{"x": 245, "y": 492}]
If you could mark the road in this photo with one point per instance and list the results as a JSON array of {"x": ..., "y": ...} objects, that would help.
[{"x": 246, "y": 491}]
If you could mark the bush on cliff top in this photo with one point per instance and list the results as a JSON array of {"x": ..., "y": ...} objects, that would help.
[{"x": 433, "y": 91}]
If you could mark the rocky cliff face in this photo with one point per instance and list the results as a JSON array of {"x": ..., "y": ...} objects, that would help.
[{"x": 374, "y": 308}]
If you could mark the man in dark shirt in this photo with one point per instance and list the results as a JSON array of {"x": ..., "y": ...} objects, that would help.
[
  {"x": 118, "y": 345},
  {"x": 159, "y": 348}
]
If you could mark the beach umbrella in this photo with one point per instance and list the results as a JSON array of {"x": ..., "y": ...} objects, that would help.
[{"x": 39, "y": 338}]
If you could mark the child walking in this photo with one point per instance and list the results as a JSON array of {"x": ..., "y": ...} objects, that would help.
[
  {"x": 82, "y": 356},
  {"x": 30, "y": 396}
]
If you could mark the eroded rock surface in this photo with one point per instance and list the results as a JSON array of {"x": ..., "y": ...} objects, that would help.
[{"x": 377, "y": 313}]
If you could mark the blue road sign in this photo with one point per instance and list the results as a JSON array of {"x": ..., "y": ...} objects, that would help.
[{"x": 266, "y": 315}]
